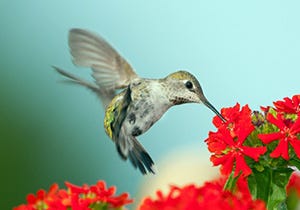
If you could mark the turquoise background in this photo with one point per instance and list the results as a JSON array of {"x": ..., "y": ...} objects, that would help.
[{"x": 241, "y": 51}]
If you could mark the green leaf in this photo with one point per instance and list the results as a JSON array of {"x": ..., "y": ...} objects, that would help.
[
  {"x": 231, "y": 182},
  {"x": 99, "y": 206},
  {"x": 270, "y": 186},
  {"x": 295, "y": 162},
  {"x": 259, "y": 184},
  {"x": 292, "y": 200}
]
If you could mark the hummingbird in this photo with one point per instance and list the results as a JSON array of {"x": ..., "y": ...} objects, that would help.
[{"x": 132, "y": 104}]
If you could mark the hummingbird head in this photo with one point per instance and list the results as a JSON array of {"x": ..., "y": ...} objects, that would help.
[{"x": 183, "y": 87}]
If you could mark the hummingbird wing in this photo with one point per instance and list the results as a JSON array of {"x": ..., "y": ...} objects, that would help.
[
  {"x": 110, "y": 70},
  {"x": 105, "y": 95},
  {"x": 126, "y": 144}
]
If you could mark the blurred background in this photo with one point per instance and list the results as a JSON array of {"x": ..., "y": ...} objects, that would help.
[{"x": 246, "y": 52}]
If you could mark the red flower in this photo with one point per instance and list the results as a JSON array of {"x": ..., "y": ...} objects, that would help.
[
  {"x": 227, "y": 142},
  {"x": 290, "y": 106},
  {"x": 83, "y": 197},
  {"x": 209, "y": 196},
  {"x": 41, "y": 200},
  {"x": 229, "y": 151},
  {"x": 234, "y": 117},
  {"x": 76, "y": 198},
  {"x": 286, "y": 135}
]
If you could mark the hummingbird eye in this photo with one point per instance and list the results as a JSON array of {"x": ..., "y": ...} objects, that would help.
[{"x": 189, "y": 85}]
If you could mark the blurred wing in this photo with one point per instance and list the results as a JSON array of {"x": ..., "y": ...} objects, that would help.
[
  {"x": 105, "y": 95},
  {"x": 110, "y": 70}
]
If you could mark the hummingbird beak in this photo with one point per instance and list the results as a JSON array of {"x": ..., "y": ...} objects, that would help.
[{"x": 212, "y": 108}]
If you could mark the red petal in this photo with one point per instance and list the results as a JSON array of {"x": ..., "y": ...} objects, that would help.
[
  {"x": 241, "y": 165},
  {"x": 244, "y": 131},
  {"x": 112, "y": 190},
  {"x": 75, "y": 188},
  {"x": 265, "y": 109},
  {"x": 215, "y": 142},
  {"x": 41, "y": 194},
  {"x": 254, "y": 152},
  {"x": 31, "y": 199},
  {"x": 267, "y": 138},
  {"x": 295, "y": 128},
  {"x": 228, "y": 165},
  {"x": 217, "y": 122},
  {"x": 288, "y": 103},
  {"x": 281, "y": 150},
  {"x": 296, "y": 145},
  {"x": 53, "y": 189},
  {"x": 101, "y": 185},
  {"x": 246, "y": 111},
  {"x": 227, "y": 137},
  {"x": 276, "y": 121},
  {"x": 217, "y": 160},
  {"x": 296, "y": 100}
]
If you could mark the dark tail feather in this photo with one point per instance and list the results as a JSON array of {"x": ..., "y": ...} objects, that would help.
[
  {"x": 137, "y": 155},
  {"x": 139, "y": 158}
]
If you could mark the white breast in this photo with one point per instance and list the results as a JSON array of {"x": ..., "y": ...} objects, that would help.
[
  {"x": 159, "y": 100},
  {"x": 149, "y": 104}
]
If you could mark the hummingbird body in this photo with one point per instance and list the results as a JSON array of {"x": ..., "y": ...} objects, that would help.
[
  {"x": 142, "y": 102},
  {"x": 131, "y": 113},
  {"x": 147, "y": 103}
]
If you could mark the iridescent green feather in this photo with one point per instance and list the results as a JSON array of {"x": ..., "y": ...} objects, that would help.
[{"x": 116, "y": 113}]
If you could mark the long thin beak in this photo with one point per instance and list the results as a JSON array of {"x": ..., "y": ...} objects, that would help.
[{"x": 211, "y": 107}]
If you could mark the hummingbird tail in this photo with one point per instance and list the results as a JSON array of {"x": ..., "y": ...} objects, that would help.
[{"x": 138, "y": 156}]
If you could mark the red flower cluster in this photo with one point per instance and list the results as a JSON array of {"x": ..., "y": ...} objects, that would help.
[
  {"x": 227, "y": 144},
  {"x": 286, "y": 135},
  {"x": 209, "y": 196},
  {"x": 287, "y": 120},
  {"x": 289, "y": 106},
  {"x": 76, "y": 198}
]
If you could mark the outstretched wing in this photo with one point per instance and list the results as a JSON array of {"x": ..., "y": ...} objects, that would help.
[{"x": 110, "y": 70}]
